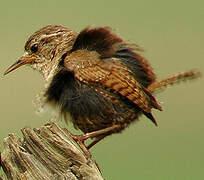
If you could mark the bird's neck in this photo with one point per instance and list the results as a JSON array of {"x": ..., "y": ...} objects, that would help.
[
  {"x": 47, "y": 69},
  {"x": 49, "y": 74}
]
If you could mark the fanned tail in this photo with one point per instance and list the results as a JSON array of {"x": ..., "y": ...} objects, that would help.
[{"x": 174, "y": 79}]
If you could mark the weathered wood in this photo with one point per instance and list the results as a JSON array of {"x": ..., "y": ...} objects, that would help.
[{"x": 46, "y": 153}]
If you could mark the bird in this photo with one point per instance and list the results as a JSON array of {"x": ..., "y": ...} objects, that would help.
[{"x": 99, "y": 81}]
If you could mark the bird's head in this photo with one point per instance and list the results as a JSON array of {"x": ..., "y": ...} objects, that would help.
[{"x": 44, "y": 49}]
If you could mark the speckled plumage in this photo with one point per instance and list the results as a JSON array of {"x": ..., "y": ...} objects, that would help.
[
  {"x": 106, "y": 90},
  {"x": 95, "y": 77}
]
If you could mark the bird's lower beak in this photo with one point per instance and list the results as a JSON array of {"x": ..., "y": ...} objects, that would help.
[{"x": 23, "y": 60}]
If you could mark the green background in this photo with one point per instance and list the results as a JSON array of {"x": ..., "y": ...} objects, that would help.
[{"x": 172, "y": 34}]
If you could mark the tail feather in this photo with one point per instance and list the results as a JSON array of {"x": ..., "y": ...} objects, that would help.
[{"x": 174, "y": 79}]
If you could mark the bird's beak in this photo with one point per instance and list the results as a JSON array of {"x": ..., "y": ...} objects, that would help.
[{"x": 23, "y": 60}]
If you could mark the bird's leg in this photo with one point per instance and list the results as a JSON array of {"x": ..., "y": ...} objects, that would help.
[
  {"x": 103, "y": 134},
  {"x": 96, "y": 133},
  {"x": 80, "y": 139},
  {"x": 95, "y": 141}
]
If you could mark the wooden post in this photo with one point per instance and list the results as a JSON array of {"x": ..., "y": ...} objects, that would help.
[{"x": 46, "y": 153}]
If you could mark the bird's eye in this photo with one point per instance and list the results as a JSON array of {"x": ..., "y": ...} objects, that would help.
[{"x": 34, "y": 48}]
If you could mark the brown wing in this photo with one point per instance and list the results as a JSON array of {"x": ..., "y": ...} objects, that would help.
[
  {"x": 110, "y": 73},
  {"x": 109, "y": 45}
]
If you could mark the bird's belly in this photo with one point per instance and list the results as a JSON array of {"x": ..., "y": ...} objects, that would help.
[
  {"x": 90, "y": 125},
  {"x": 91, "y": 111},
  {"x": 93, "y": 118}
]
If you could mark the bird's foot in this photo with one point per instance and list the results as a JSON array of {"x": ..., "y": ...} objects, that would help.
[{"x": 80, "y": 140}]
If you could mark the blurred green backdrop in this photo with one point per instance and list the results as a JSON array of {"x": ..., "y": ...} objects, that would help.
[{"x": 171, "y": 32}]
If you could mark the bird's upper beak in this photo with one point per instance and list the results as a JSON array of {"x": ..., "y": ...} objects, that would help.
[{"x": 25, "y": 59}]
